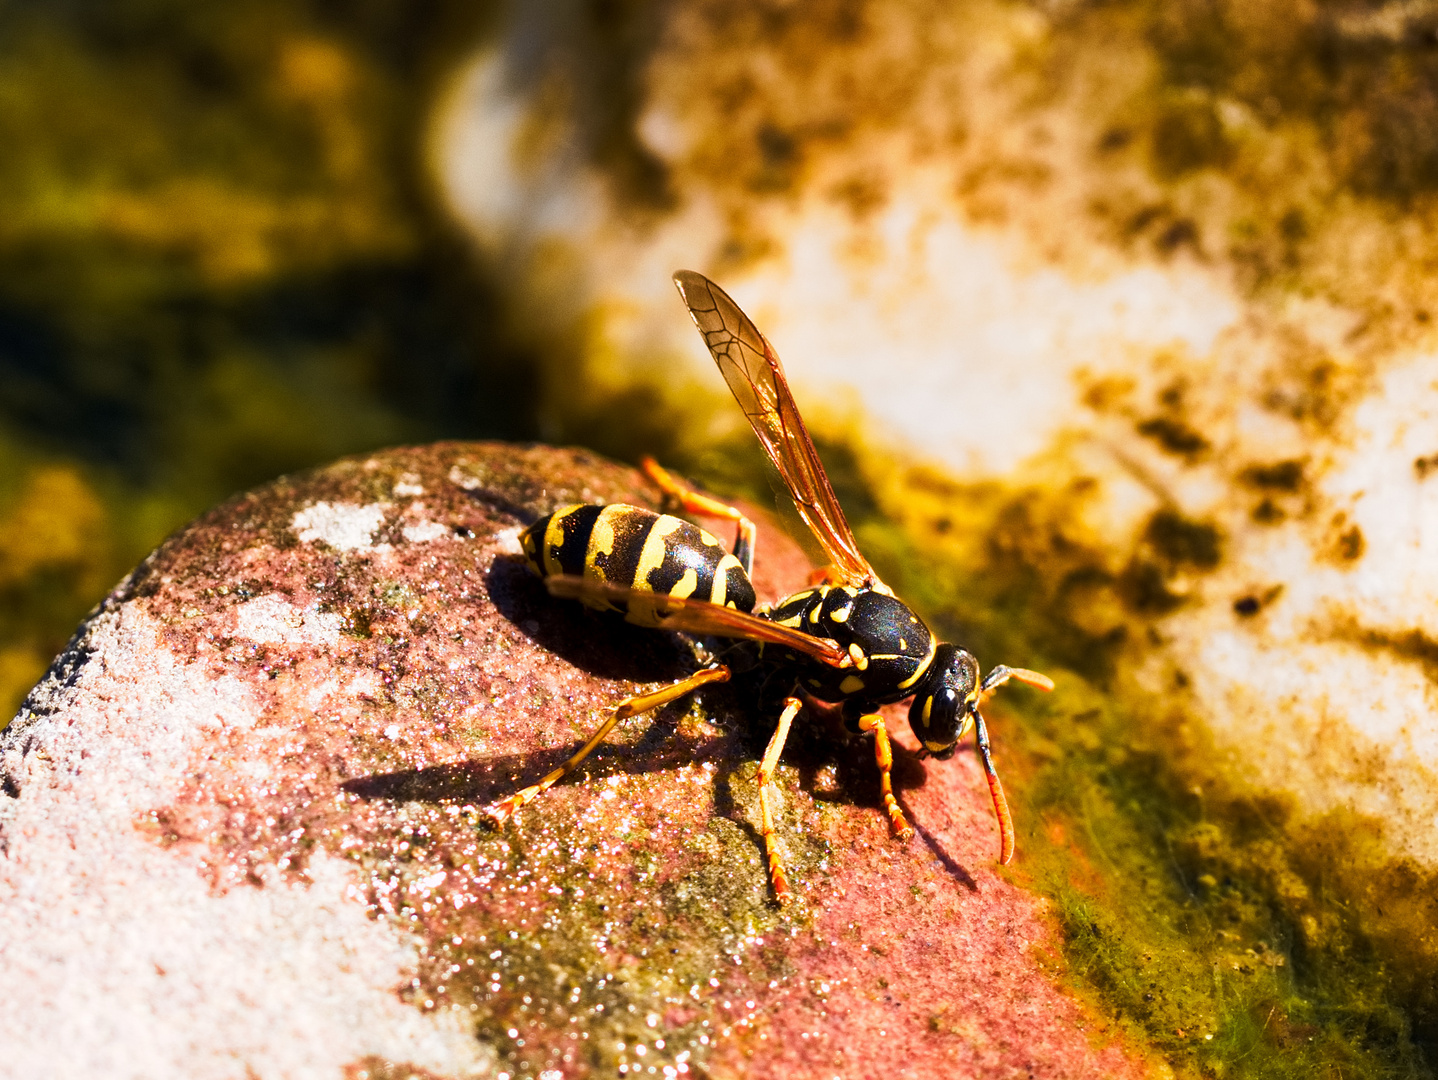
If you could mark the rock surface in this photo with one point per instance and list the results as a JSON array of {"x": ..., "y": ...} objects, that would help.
[{"x": 240, "y": 832}]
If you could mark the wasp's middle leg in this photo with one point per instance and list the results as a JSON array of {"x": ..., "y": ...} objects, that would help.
[
  {"x": 884, "y": 756},
  {"x": 631, "y": 706},
  {"x": 792, "y": 706}
]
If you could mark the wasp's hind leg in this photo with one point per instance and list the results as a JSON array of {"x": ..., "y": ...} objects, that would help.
[
  {"x": 792, "y": 706},
  {"x": 695, "y": 503},
  {"x": 884, "y": 756},
  {"x": 631, "y": 706},
  {"x": 825, "y": 575}
]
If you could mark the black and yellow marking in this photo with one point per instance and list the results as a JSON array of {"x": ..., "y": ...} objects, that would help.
[
  {"x": 847, "y": 640},
  {"x": 889, "y": 649},
  {"x": 696, "y": 503},
  {"x": 637, "y": 549},
  {"x": 876, "y": 649}
]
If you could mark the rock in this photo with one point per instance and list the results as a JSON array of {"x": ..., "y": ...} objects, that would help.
[{"x": 240, "y": 827}]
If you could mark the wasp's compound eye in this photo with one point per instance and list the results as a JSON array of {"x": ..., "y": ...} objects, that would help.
[{"x": 934, "y": 718}]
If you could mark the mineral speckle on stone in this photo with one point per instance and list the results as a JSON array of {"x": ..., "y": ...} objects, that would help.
[{"x": 342, "y": 526}]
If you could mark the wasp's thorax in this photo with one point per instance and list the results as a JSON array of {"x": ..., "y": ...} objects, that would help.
[{"x": 944, "y": 704}]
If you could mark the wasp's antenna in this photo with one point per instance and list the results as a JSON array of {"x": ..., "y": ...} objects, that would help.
[
  {"x": 995, "y": 679},
  {"x": 1002, "y": 674},
  {"x": 996, "y": 790}
]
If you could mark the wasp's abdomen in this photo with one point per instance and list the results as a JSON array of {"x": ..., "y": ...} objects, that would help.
[{"x": 635, "y": 548}]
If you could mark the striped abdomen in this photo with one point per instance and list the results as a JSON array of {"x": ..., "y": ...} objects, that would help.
[{"x": 637, "y": 549}]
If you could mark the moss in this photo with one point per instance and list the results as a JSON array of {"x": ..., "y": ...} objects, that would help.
[
  {"x": 1174, "y": 436},
  {"x": 1271, "y": 135},
  {"x": 156, "y": 360},
  {"x": 1251, "y": 604},
  {"x": 1267, "y": 512},
  {"x": 1181, "y": 540},
  {"x": 1188, "y": 135},
  {"x": 1414, "y": 645},
  {"x": 1212, "y": 924},
  {"x": 1286, "y": 476},
  {"x": 582, "y": 978}
]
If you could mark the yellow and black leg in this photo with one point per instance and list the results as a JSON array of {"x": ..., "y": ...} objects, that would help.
[
  {"x": 632, "y": 706},
  {"x": 695, "y": 503},
  {"x": 884, "y": 755},
  {"x": 766, "y": 810}
]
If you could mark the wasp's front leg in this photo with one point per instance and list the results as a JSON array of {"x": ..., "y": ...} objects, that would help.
[{"x": 884, "y": 756}]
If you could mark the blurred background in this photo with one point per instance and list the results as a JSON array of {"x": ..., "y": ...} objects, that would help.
[
  {"x": 222, "y": 257},
  {"x": 1114, "y": 322}
]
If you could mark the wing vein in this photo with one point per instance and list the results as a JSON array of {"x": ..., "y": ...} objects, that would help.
[{"x": 755, "y": 376}]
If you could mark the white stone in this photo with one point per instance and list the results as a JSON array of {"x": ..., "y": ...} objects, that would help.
[
  {"x": 344, "y": 526},
  {"x": 119, "y": 958}
]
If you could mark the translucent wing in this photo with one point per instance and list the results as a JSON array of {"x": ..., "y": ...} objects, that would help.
[
  {"x": 754, "y": 374},
  {"x": 698, "y": 617}
]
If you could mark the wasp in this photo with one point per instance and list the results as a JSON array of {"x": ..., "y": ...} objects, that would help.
[{"x": 848, "y": 641}]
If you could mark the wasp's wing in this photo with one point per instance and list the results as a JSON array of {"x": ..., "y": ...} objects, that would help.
[
  {"x": 698, "y": 617},
  {"x": 754, "y": 374}
]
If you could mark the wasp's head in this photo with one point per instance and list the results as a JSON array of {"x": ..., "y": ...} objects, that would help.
[{"x": 945, "y": 706}]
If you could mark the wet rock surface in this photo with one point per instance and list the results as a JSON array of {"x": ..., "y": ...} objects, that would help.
[{"x": 241, "y": 826}]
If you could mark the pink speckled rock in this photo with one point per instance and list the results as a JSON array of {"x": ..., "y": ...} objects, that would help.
[{"x": 239, "y": 827}]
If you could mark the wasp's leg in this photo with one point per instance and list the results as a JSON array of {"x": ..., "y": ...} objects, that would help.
[
  {"x": 632, "y": 706},
  {"x": 884, "y": 755},
  {"x": 696, "y": 503},
  {"x": 792, "y": 706}
]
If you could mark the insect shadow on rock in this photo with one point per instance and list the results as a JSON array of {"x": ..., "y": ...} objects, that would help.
[
  {"x": 477, "y": 781},
  {"x": 605, "y": 647},
  {"x": 846, "y": 641}
]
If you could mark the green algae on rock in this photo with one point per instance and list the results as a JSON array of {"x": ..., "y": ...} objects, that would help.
[{"x": 1230, "y": 927}]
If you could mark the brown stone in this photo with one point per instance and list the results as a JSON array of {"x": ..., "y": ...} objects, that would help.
[{"x": 241, "y": 833}]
